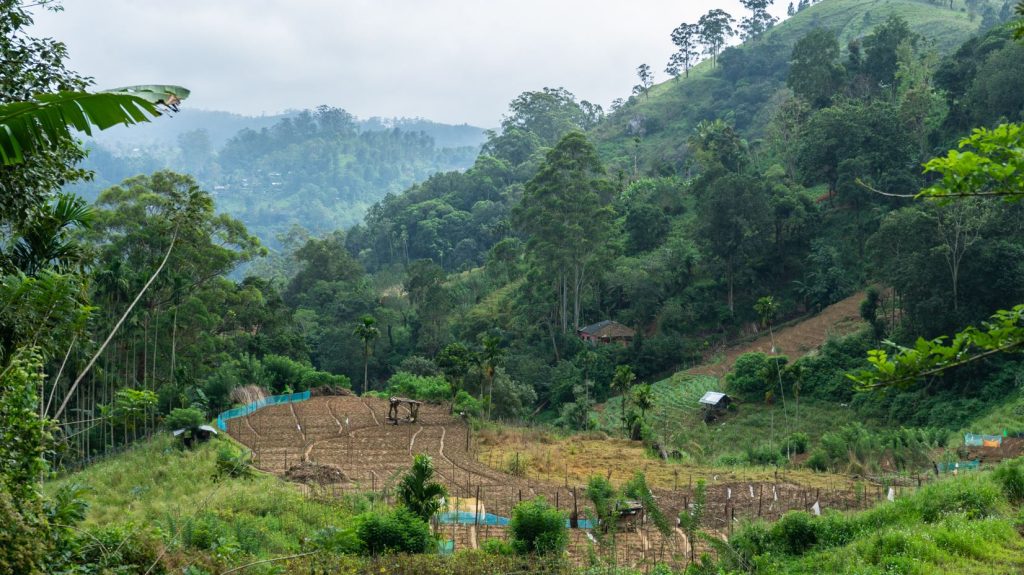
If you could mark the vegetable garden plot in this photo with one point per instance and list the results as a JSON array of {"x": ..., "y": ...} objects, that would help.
[
  {"x": 317, "y": 420},
  {"x": 372, "y": 455}
]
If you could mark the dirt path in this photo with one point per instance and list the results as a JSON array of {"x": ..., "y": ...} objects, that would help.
[
  {"x": 251, "y": 428},
  {"x": 330, "y": 410},
  {"x": 375, "y": 420},
  {"x": 796, "y": 340},
  {"x": 412, "y": 441},
  {"x": 298, "y": 424}
]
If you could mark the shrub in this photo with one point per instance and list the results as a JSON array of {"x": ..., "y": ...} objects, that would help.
[
  {"x": 23, "y": 544},
  {"x": 970, "y": 496},
  {"x": 466, "y": 403},
  {"x": 233, "y": 462},
  {"x": 397, "y": 531},
  {"x": 285, "y": 373},
  {"x": 603, "y": 496},
  {"x": 537, "y": 527},
  {"x": 731, "y": 460},
  {"x": 745, "y": 378},
  {"x": 313, "y": 378},
  {"x": 183, "y": 418},
  {"x": 497, "y": 547},
  {"x": 751, "y": 540},
  {"x": 424, "y": 388},
  {"x": 795, "y": 533},
  {"x": 835, "y": 529},
  {"x": 795, "y": 443},
  {"x": 763, "y": 455},
  {"x": 1010, "y": 476},
  {"x": 118, "y": 549},
  {"x": 204, "y": 531},
  {"x": 818, "y": 460},
  {"x": 753, "y": 374},
  {"x": 336, "y": 541}
]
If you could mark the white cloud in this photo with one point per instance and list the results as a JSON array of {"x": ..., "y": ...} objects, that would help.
[{"x": 447, "y": 60}]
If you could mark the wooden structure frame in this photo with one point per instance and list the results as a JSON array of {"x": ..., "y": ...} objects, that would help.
[{"x": 411, "y": 404}]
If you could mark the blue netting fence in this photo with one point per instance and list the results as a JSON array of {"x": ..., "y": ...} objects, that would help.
[
  {"x": 223, "y": 418},
  {"x": 949, "y": 467},
  {"x": 470, "y": 518}
]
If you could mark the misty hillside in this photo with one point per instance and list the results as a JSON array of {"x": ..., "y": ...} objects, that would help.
[{"x": 273, "y": 172}]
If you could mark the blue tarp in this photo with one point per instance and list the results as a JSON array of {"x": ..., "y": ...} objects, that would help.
[
  {"x": 470, "y": 518},
  {"x": 976, "y": 440},
  {"x": 223, "y": 418}
]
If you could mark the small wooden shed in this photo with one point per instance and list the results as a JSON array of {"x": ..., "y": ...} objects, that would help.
[
  {"x": 192, "y": 435},
  {"x": 605, "y": 332},
  {"x": 714, "y": 403},
  {"x": 413, "y": 407}
]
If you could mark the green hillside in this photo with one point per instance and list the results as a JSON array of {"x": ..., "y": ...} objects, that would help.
[
  {"x": 946, "y": 28},
  {"x": 650, "y": 132}
]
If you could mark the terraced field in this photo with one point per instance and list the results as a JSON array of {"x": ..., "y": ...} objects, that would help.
[
  {"x": 352, "y": 434},
  {"x": 675, "y": 401}
]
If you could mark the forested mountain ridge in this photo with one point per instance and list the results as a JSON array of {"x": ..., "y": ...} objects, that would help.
[
  {"x": 321, "y": 168},
  {"x": 747, "y": 180},
  {"x": 222, "y": 126},
  {"x": 483, "y": 292},
  {"x": 650, "y": 132}
]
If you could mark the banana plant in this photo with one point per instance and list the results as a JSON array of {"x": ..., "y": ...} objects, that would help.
[{"x": 33, "y": 124}]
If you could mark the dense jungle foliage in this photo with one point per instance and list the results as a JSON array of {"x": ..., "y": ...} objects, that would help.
[{"x": 773, "y": 179}]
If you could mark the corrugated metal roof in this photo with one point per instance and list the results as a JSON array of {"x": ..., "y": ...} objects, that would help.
[
  {"x": 607, "y": 328},
  {"x": 712, "y": 398}
]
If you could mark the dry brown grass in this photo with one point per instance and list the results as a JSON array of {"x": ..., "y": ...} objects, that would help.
[{"x": 579, "y": 457}]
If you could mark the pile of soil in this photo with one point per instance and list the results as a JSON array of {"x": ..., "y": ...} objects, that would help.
[
  {"x": 312, "y": 473},
  {"x": 1012, "y": 447},
  {"x": 325, "y": 390}
]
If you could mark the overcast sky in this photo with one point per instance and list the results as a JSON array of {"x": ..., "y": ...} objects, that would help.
[{"x": 451, "y": 61}]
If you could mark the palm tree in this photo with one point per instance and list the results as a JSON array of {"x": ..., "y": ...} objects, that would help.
[
  {"x": 490, "y": 356},
  {"x": 766, "y": 308},
  {"x": 367, "y": 332},
  {"x": 417, "y": 490},
  {"x": 45, "y": 243},
  {"x": 622, "y": 381},
  {"x": 644, "y": 399}
]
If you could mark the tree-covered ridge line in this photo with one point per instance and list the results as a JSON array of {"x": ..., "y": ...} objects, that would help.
[
  {"x": 695, "y": 244},
  {"x": 319, "y": 168},
  {"x": 470, "y": 287}
]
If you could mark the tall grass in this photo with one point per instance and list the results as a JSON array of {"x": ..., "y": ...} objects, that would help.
[
  {"x": 959, "y": 525},
  {"x": 181, "y": 496}
]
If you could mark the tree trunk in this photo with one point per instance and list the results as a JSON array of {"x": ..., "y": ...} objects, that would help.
[
  {"x": 174, "y": 343},
  {"x": 366, "y": 366},
  {"x": 117, "y": 326},
  {"x": 729, "y": 279}
]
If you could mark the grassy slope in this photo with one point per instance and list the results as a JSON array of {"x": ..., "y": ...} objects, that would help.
[
  {"x": 956, "y": 526},
  {"x": 1008, "y": 415},
  {"x": 677, "y": 418},
  {"x": 676, "y": 105},
  {"x": 158, "y": 486}
]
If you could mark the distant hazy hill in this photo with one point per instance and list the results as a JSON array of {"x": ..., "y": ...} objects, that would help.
[
  {"x": 321, "y": 169},
  {"x": 164, "y": 133},
  {"x": 222, "y": 126}
]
